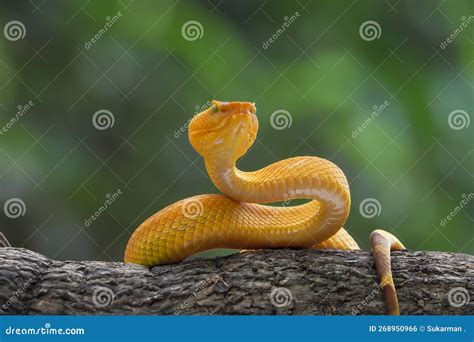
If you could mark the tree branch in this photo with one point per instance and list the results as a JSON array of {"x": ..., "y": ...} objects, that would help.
[{"x": 304, "y": 282}]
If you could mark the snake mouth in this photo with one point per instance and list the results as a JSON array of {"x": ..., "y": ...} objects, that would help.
[
  {"x": 233, "y": 107},
  {"x": 227, "y": 111}
]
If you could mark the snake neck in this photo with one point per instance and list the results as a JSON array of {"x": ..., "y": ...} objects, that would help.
[{"x": 295, "y": 178}]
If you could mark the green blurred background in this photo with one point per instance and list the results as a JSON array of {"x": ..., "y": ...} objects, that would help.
[{"x": 152, "y": 75}]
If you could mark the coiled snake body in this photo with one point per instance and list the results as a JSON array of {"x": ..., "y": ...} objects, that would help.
[{"x": 222, "y": 134}]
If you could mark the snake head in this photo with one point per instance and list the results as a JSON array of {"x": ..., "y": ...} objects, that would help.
[{"x": 225, "y": 128}]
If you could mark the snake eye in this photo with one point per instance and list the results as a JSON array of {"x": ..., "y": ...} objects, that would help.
[{"x": 214, "y": 108}]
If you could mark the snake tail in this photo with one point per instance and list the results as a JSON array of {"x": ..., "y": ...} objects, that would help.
[{"x": 382, "y": 243}]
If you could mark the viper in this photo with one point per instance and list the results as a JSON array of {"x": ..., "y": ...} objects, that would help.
[{"x": 238, "y": 219}]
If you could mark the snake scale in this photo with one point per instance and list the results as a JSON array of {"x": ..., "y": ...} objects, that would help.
[{"x": 222, "y": 134}]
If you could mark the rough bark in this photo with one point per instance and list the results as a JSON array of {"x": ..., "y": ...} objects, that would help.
[{"x": 303, "y": 282}]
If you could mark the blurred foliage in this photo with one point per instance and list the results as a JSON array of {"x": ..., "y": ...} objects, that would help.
[{"x": 152, "y": 80}]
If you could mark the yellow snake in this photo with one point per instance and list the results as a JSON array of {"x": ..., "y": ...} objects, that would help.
[{"x": 221, "y": 135}]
